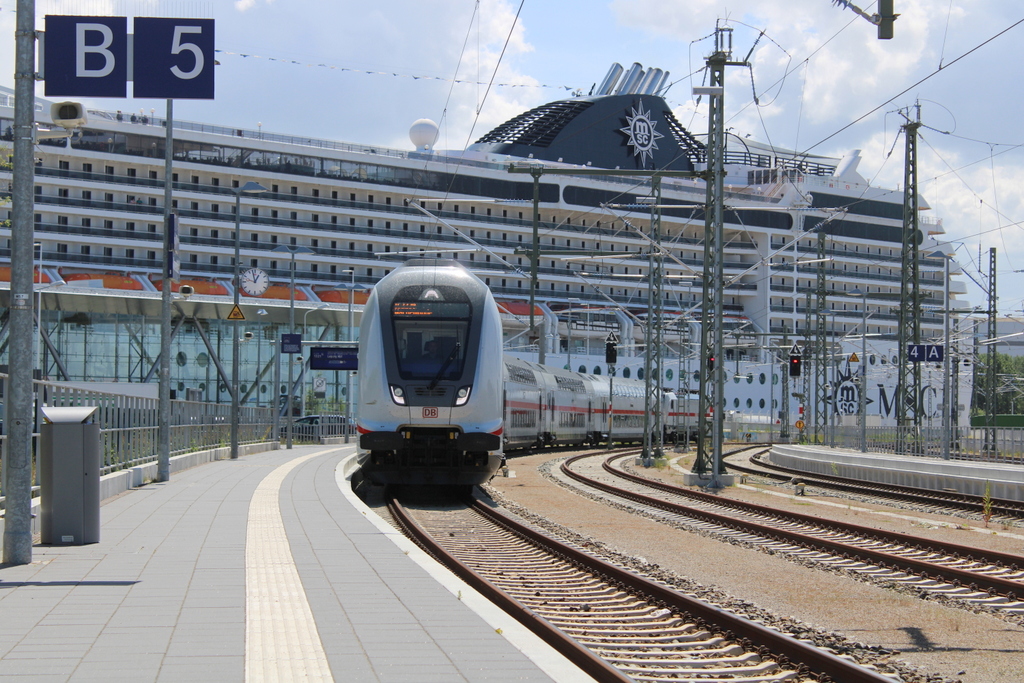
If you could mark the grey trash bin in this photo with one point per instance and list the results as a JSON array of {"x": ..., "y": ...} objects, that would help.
[{"x": 69, "y": 476}]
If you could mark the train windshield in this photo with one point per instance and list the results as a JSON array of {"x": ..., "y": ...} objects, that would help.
[{"x": 431, "y": 338}]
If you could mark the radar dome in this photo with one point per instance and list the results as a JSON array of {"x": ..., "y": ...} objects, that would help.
[{"x": 423, "y": 134}]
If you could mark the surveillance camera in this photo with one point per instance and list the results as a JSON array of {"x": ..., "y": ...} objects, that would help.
[
  {"x": 68, "y": 115},
  {"x": 186, "y": 291},
  {"x": 247, "y": 335}
]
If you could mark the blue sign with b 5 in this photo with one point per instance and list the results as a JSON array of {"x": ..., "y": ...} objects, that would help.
[{"x": 89, "y": 57}]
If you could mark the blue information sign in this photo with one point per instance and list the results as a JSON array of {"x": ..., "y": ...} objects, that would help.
[
  {"x": 174, "y": 58},
  {"x": 86, "y": 56},
  {"x": 291, "y": 343},
  {"x": 925, "y": 353},
  {"x": 333, "y": 358}
]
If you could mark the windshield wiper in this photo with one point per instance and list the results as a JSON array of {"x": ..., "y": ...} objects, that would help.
[{"x": 444, "y": 366}]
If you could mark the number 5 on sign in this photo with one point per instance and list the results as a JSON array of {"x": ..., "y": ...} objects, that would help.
[{"x": 174, "y": 58}]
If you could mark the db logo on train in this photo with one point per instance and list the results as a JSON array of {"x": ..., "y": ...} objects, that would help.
[{"x": 430, "y": 412}]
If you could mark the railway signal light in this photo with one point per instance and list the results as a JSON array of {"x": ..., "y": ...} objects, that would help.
[
  {"x": 794, "y": 366},
  {"x": 711, "y": 363},
  {"x": 611, "y": 353}
]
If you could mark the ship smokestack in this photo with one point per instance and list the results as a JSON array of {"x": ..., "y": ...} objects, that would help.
[
  {"x": 632, "y": 78},
  {"x": 610, "y": 79}
]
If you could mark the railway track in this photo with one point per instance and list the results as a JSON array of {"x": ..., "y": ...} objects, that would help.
[
  {"x": 941, "y": 502},
  {"x": 614, "y": 624},
  {"x": 967, "y": 574}
]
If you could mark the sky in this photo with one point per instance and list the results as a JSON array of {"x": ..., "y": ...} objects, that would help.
[{"x": 820, "y": 81}]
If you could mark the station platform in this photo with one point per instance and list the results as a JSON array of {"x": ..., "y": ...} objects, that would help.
[
  {"x": 1004, "y": 479},
  {"x": 265, "y": 568}
]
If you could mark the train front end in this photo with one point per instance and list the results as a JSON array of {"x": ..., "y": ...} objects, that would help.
[{"x": 430, "y": 365}]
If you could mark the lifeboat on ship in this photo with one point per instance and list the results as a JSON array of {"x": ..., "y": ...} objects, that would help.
[
  {"x": 102, "y": 281},
  {"x": 278, "y": 292},
  {"x": 341, "y": 296},
  {"x": 38, "y": 277},
  {"x": 204, "y": 287}
]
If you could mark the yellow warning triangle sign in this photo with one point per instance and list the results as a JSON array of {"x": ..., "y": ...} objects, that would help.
[
  {"x": 236, "y": 314},
  {"x": 853, "y": 358}
]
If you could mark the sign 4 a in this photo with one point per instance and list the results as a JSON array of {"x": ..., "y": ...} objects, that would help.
[
  {"x": 96, "y": 57},
  {"x": 925, "y": 353}
]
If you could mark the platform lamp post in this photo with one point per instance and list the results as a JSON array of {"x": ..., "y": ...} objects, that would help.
[
  {"x": 305, "y": 316},
  {"x": 862, "y": 395},
  {"x": 249, "y": 188},
  {"x": 348, "y": 338},
  {"x": 293, "y": 250},
  {"x": 568, "y": 335},
  {"x": 38, "y": 277}
]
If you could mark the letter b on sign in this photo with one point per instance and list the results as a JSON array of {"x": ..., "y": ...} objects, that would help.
[{"x": 86, "y": 56}]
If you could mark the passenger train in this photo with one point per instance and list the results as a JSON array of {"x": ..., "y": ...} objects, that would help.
[{"x": 439, "y": 402}]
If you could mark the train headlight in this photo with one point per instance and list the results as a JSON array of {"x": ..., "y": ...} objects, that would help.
[
  {"x": 398, "y": 395},
  {"x": 462, "y": 395}
]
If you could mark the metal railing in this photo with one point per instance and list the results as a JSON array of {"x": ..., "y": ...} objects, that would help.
[
  {"x": 1004, "y": 445},
  {"x": 129, "y": 425}
]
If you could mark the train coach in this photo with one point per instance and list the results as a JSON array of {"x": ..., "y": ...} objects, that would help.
[
  {"x": 547, "y": 406},
  {"x": 439, "y": 402}
]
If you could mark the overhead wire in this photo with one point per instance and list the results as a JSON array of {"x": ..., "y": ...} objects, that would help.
[{"x": 916, "y": 83}]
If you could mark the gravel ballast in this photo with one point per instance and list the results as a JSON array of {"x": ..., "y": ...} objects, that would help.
[{"x": 938, "y": 642}]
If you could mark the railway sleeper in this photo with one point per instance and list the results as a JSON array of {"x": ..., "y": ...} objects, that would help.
[
  {"x": 713, "y": 644},
  {"x": 667, "y": 633},
  {"x": 778, "y": 677},
  {"x": 632, "y": 621},
  {"x": 616, "y": 607},
  {"x": 587, "y": 607},
  {"x": 654, "y": 658},
  {"x": 742, "y": 659},
  {"x": 710, "y": 668}
]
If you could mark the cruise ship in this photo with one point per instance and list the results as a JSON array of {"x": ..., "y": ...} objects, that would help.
[{"x": 346, "y": 214}]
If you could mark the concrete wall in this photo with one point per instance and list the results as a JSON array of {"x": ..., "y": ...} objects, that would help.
[{"x": 1006, "y": 481}]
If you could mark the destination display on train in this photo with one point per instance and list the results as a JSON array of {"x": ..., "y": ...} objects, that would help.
[{"x": 430, "y": 309}]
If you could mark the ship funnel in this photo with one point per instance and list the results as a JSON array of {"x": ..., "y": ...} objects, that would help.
[
  {"x": 651, "y": 78},
  {"x": 610, "y": 80},
  {"x": 660, "y": 85},
  {"x": 630, "y": 81},
  {"x": 847, "y": 168}
]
